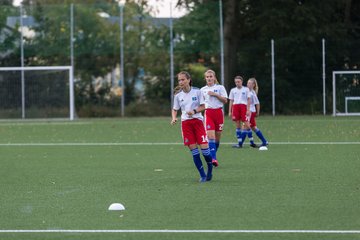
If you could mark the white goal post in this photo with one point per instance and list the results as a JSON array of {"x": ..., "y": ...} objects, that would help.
[
  {"x": 346, "y": 88},
  {"x": 48, "y": 69}
]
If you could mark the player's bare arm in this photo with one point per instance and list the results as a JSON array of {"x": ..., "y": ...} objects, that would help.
[
  {"x": 257, "y": 106},
  {"x": 248, "y": 113},
  {"x": 173, "y": 117},
  {"x": 230, "y": 107}
]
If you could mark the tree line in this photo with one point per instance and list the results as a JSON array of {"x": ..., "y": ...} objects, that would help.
[{"x": 296, "y": 26}]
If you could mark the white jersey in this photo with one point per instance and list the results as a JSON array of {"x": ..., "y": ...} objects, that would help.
[
  {"x": 253, "y": 101},
  {"x": 239, "y": 95},
  {"x": 212, "y": 102},
  {"x": 188, "y": 102}
]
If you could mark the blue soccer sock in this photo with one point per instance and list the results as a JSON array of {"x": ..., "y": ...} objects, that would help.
[
  {"x": 250, "y": 136},
  {"x": 212, "y": 146},
  {"x": 208, "y": 159},
  {"x": 242, "y": 138},
  {"x": 261, "y": 136},
  {"x": 238, "y": 135},
  {"x": 217, "y": 144},
  {"x": 197, "y": 161}
]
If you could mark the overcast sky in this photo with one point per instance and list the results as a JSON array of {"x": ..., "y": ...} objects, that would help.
[{"x": 162, "y": 8}]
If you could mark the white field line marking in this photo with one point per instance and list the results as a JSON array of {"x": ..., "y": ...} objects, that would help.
[
  {"x": 184, "y": 231},
  {"x": 159, "y": 144},
  {"x": 47, "y": 123}
]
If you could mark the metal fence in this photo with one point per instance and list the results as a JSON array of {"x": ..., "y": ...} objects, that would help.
[{"x": 125, "y": 61}]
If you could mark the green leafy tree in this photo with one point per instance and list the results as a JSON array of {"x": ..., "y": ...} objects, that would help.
[
  {"x": 297, "y": 26},
  {"x": 197, "y": 36},
  {"x": 9, "y": 56},
  {"x": 10, "y": 37}
]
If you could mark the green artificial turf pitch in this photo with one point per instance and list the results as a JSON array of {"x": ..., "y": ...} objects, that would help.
[{"x": 63, "y": 175}]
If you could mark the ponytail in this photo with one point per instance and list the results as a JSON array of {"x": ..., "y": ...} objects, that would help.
[{"x": 256, "y": 86}]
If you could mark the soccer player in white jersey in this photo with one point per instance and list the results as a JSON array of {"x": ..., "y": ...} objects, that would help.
[
  {"x": 215, "y": 98},
  {"x": 239, "y": 110},
  {"x": 255, "y": 111},
  {"x": 191, "y": 102}
]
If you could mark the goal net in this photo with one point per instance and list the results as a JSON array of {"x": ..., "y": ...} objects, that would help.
[
  {"x": 36, "y": 92},
  {"x": 346, "y": 93}
]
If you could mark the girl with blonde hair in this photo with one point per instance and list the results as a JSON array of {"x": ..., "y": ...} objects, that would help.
[
  {"x": 255, "y": 112},
  {"x": 215, "y": 97}
]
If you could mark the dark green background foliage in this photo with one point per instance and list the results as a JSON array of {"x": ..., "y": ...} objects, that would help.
[{"x": 297, "y": 27}]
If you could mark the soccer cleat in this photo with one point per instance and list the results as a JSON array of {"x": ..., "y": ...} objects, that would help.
[
  {"x": 203, "y": 179},
  {"x": 237, "y": 146},
  {"x": 265, "y": 144},
  {"x": 215, "y": 163},
  {"x": 209, "y": 177},
  {"x": 253, "y": 145}
]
